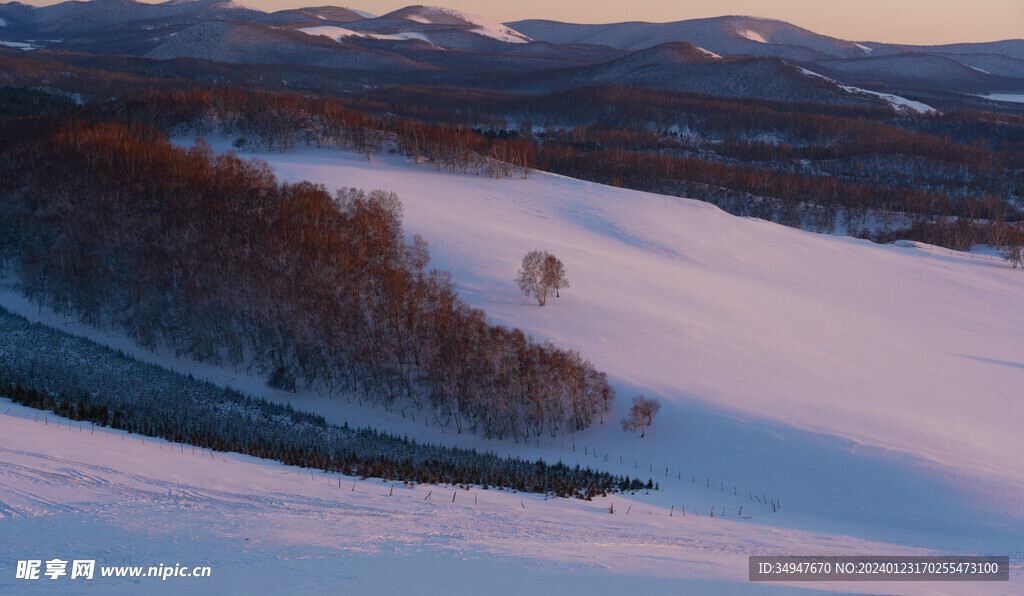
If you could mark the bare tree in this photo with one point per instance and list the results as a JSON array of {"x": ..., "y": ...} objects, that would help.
[
  {"x": 531, "y": 276},
  {"x": 641, "y": 414},
  {"x": 554, "y": 274},
  {"x": 540, "y": 273}
]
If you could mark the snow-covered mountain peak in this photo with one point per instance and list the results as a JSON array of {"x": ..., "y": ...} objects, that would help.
[{"x": 436, "y": 15}]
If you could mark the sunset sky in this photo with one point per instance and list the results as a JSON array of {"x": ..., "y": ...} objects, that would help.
[{"x": 902, "y": 21}]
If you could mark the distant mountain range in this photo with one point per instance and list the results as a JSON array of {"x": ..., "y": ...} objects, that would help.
[
  {"x": 727, "y": 36},
  {"x": 966, "y": 67},
  {"x": 729, "y": 55}
]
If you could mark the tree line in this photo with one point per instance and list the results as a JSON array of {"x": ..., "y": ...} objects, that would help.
[
  {"x": 821, "y": 171},
  {"x": 261, "y": 120},
  {"x": 862, "y": 171},
  {"x": 48, "y": 369},
  {"x": 805, "y": 165},
  {"x": 211, "y": 255}
]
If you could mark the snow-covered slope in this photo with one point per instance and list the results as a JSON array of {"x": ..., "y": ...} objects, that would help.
[
  {"x": 435, "y": 15},
  {"x": 897, "y": 102},
  {"x": 69, "y": 492},
  {"x": 891, "y": 347},
  {"x": 873, "y": 389},
  {"x": 921, "y": 70},
  {"x": 340, "y": 33},
  {"x": 443, "y": 27}
]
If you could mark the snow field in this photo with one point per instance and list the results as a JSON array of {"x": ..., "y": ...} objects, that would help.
[
  {"x": 872, "y": 389},
  {"x": 131, "y": 500}
]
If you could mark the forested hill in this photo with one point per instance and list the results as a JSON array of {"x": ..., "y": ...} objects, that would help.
[{"x": 211, "y": 255}]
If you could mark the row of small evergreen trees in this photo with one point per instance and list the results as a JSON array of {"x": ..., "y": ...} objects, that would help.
[{"x": 47, "y": 369}]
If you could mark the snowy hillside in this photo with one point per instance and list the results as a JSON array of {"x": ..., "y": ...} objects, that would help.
[
  {"x": 442, "y": 27},
  {"x": 877, "y": 344},
  {"x": 873, "y": 389},
  {"x": 897, "y": 102},
  {"x": 123, "y": 500}
]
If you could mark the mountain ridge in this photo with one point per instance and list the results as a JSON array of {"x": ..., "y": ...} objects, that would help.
[{"x": 451, "y": 47}]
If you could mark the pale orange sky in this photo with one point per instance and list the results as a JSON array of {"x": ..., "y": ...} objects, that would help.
[{"x": 896, "y": 21}]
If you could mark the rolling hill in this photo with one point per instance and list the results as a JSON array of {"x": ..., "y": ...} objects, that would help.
[
  {"x": 729, "y": 35},
  {"x": 871, "y": 387}
]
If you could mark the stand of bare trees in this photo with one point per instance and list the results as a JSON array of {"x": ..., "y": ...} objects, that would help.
[{"x": 210, "y": 255}]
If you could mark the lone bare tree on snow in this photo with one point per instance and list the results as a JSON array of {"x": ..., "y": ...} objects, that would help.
[
  {"x": 554, "y": 273},
  {"x": 641, "y": 415},
  {"x": 539, "y": 274}
]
